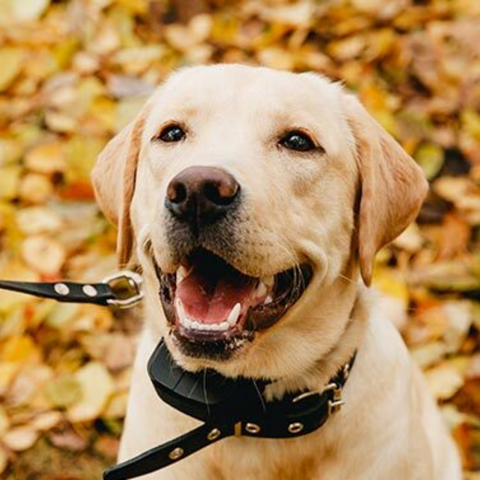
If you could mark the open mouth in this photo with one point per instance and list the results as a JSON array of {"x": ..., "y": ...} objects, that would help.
[{"x": 209, "y": 300}]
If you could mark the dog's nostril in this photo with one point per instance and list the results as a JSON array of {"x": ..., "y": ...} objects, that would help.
[
  {"x": 177, "y": 192},
  {"x": 221, "y": 193}
]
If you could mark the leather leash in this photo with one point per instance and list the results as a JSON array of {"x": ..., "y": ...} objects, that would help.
[{"x": 111, "y": 291}]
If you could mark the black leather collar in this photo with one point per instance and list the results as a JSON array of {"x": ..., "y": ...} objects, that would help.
[{"x": 229, "y": 408}]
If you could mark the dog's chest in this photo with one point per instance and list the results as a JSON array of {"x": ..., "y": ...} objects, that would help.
[{"x": 259, "y": 459}]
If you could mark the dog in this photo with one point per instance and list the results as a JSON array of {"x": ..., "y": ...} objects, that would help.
[{"x": 249, "y": 193}]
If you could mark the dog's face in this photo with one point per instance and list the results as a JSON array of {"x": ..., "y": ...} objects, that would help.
[{"x": 246, "y": 194}]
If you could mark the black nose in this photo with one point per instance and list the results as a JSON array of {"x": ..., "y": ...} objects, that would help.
[{"x": 201, "y": 195}]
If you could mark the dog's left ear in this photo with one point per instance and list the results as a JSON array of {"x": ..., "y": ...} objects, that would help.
[
  {"x": 392, "y": 186},
  {"x": 113, "y": 179}
]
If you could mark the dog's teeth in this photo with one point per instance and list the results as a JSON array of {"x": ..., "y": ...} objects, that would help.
[
  {"x": 268, "y": 281},
  {"x": 181, "y": 273},
  {"x": 268, "y": 300},
  {"x": 180, "y": 309},
  {"x": 196, "y": 325},
  {"x": 184, "y": 320},
  {"x": 233, "y": 315},
  {"x": 261, "y": 290},
  {"x": 224, "y": 326}
]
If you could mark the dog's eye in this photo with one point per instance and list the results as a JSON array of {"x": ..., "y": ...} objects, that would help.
[
  {"x": 172, "y": 133},
  {"x": 298, "y": 141}
]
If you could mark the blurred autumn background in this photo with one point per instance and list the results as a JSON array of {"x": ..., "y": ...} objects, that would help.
[{"x": 72, "y": 73}]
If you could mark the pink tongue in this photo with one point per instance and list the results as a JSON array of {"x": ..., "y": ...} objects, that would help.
[{"x": 208, "y": 295}]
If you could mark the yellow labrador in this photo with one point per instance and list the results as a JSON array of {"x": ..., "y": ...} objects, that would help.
[{"x": 231, "y": 184}]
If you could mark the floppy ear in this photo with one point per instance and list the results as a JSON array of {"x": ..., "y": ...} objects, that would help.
[
  {"x": 113, "y": 179},
  {"x": 392, "y": 186}
]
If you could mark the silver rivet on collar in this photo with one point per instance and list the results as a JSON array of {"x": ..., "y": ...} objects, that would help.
[
  {"x": 295, "y": 427},
  {"x": 90, "y": 290},
  {"x": 61, "y": 289},
  {"x": 214, "y": 434},
  {"x": 176, "y": 453},
  {"x": 252, "y": 428}
]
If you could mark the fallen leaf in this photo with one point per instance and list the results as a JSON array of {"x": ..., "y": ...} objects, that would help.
[
  {"x": 68, "y": 439},
  {"x": 63, "y": 391},
  {"x": 46, "y": 158},
  {"x": 43, "y": 254},
  {"x": 20, "y": 438},
  {"x": 46, "y": 421},
  {"x": 444, "y": 381},
  {"x": 28, "y": 10},
  {"x": 96, "y": 386},
  {"x": 20, "y": 349},
  {"x": 3, "y": 460},
  {"x": 11, "y": 60}
]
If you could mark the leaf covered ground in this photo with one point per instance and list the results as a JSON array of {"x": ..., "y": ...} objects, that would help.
[{"x": 72, "y": 73}]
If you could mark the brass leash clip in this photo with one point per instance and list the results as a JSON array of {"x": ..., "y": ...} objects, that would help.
[{"x": 127, "y": 286}]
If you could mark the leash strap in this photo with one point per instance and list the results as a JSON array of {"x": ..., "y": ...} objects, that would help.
[
  {"x": 122, "y": 290},
  {"x": 168, "y": 453}
]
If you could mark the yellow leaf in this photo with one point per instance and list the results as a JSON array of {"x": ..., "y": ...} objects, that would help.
[
  {"x": 47, "y": 421},
  {"x": 63, "y": 391},
  {"x": 46, "y": 158},
  {"x": 9, "y": 182},
  {"x": 20, "y": 438},
  {"x": 430, "y": 157},
  {"x": 8, "y": 370},
  {"x": 276, "y": 57},
  {"x": 3, "y": 460},
  {"x": 20, "y": 349},
  {"x": 81, "y": 155},
  {"x": 444, "y": 381},
  {"x": 96, "y": 387},
  {"x": 391, "y": 283},
  {"x": 11, "y": 61},
  {"x": 4, "y": 421},
  {"x": 28, "y": 10},
  {"x": 62, "y": 314},
  {"x": 35, "y": 188},
  {"x": 43, "y": 254}
]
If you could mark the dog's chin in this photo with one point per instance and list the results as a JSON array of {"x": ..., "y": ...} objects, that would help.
[{"x": 214, "y": 311}]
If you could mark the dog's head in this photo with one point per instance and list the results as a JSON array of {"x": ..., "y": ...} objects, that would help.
[{"x": 246, "y": 194}]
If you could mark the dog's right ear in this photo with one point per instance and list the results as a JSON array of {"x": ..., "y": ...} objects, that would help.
[{"x": 113, "y": 179}]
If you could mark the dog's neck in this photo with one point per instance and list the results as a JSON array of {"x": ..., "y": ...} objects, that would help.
[{"x": 349, "y": 342}]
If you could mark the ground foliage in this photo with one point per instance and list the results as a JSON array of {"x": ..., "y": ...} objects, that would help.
[{"x": 72, "y": 74}]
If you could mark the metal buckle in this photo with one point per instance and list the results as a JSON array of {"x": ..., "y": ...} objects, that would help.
[
  {"x": 305, "y": 395},
  {"x": 335, "y": 405},
  {"x": 134, "y": 280}
]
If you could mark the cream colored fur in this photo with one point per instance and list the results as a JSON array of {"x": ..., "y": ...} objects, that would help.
[{"x": 334, "y": 210}]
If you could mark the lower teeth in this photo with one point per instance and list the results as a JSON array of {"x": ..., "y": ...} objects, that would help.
[{"x": 195, "y": 325}]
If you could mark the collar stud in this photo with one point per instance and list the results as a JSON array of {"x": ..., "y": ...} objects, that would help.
[
  {"x": 176, "y": 453},
  {"x": 252, "y": 428},
  {"x": 295, "y": 427},
  {"x": 213, "y": 434}
]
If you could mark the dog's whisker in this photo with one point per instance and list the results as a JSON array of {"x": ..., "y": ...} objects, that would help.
[
  {"x": 347, "y": 279},
  {"x": 205, "y": 391},
  {"x": 260, "y": 396}
]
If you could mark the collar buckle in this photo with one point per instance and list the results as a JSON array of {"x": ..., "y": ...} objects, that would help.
[{"x": 336, "y": 403}]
